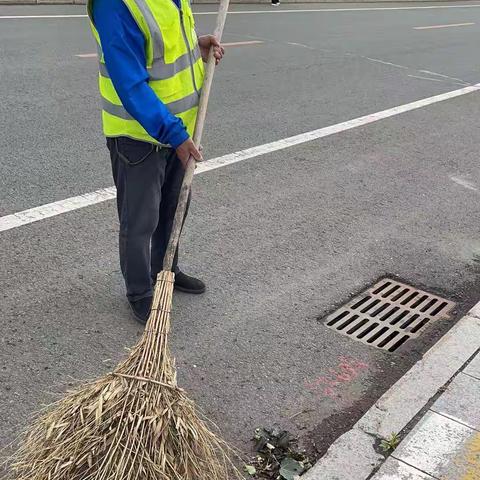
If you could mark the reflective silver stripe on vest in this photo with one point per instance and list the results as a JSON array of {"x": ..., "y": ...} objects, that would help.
[
  {"x": 116, "y": 110},
  {"x": 99, "y": 51},
  {"x": 155, "y": 33},
  {"x": 176, "y": 107},
  {"x": 103, "y": 70},
  {"x": 184, "y": 104},
  {"x": 161, "y": 70}
]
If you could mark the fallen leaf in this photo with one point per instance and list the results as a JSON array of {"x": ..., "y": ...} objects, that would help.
[
  {"x": 290, "y": 469},
  {"x": 250, "y": 469}
]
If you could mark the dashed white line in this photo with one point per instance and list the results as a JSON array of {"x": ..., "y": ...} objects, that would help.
[
  {"x": 87, "y": 55},
  {"x": 243, "y": 44},
  {"x": 428, "y": 72},
  {"x": 250, "y": 12},
  {"x": 295, "y": 44},
  {"x": 434, "y": 27},
  {"x": 385, "y": 63},
  {"x": 425, "y": 78},
  {"x": 464, "y": 183},
  {"x": 20, "y": 17},
  {"x": 42, "y": 212}
]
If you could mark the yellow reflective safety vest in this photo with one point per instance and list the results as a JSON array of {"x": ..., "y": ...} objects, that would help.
[{"x": 174, "y": 65}]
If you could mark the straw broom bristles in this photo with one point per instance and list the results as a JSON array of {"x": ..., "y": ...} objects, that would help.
[{"x": 134, "y": 423}]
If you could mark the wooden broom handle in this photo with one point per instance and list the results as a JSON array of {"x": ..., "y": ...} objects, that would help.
[{"x": 197, "y": 137}]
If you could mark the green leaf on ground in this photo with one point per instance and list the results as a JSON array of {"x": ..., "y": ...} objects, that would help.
[
  {"x": 290, "y": 469},
  {"x": 250, "y": 469}
]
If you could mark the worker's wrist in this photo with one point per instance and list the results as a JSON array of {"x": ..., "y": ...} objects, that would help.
[{"x": 177, "y": 136}]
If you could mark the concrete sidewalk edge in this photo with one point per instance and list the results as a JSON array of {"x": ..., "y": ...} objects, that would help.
[{"x": 355, "y": 454}]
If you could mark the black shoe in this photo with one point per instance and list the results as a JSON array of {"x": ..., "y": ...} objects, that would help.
[
  {"x": 188, "y": 284},
  {"x": 141, "y": 309}
]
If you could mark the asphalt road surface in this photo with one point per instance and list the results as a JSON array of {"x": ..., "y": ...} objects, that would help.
[{"x": 281, "y": 238}]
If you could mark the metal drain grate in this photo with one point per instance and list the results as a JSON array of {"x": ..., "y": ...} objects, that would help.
[{"x": 388, "y": 314}]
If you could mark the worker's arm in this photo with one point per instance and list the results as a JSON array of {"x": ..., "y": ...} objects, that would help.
[{"x": 123, "y": 47}]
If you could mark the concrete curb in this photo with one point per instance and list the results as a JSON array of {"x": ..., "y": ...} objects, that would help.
[{"x": 354, "y": 455}]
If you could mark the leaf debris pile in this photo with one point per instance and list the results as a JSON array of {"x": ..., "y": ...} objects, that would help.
[{"x": 278, "y": 456}]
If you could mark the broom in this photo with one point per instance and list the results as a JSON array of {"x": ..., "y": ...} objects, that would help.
[{"x": 134, "y": 423}]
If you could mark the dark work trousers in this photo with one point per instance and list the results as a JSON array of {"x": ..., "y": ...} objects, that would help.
[{"x": 148, "y": 180}]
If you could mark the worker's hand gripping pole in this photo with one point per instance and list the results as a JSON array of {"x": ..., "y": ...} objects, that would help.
[{"x": 197, "y": 137}]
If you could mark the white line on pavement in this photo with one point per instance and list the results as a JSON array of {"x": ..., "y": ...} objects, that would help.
[
  {"x": 464, "y": 183},
  {"x": 12, "y": 17},
  {"x": 385, "y": 63},
  {"x": 74, "y": 203},
  {"x": 295, "y": 44},
  {"x": 242, "y": 44},
  {"x": 56, "y": 208},
  {"x": 249, "y": 12},
  {"x": 425, "y": 78},
  {"x": 326, "y": 131},
  {"x": 443, "y": 76},
  {"x": 432, "y": 27}
]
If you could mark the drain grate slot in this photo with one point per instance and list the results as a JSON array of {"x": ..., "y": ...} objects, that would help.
[
  {"x": 397, "y": 319},
  {"x": 439, "y": 308},
  {"x": 430, "y": 304},
  {"x": 388, "y": 314},
  {"x": 361, "y": 323},
  {"x": 387, "y": 339},
  {"x": 348, "y": 322},
  {"x": 419, "y": 325},
  {"x": 360, "y": 303},
  {"x": 392, "y": 290},
  {"x": 367, "y": 330},
  {"x": 380, "y": 309},
  {"x": 409, "y": 298},
  {"x": 377, "y": 335},
  {"x": 370, "y": 305},
  {"x": 398, "y": 296},
  {"x": 334, "y": 320},
  {"x": 399, "y": 343}
]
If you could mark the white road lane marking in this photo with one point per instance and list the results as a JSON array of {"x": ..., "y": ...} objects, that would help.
[
  {"x": 464, "y": 183},
  {"x": 15, "y": 17},
  {"x": 295, "y": 44},
  {"x": 56, "y": 208},
  {"x": 428, "y": 72},
  {"x": 74, "y": 203},
  {"x": 433, "y": 27},
  {"x": 250, "y": 12},
  {"x": 385, "y": 63},
  {"x": 242, "y": 44},
  {"x": 425, "y": 78}
]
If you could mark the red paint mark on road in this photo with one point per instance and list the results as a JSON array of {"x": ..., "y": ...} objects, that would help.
[{"x": 347, "y": 370}]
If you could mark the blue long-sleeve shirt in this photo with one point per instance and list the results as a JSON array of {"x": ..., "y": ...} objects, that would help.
[{"x": 123, "y": 46}]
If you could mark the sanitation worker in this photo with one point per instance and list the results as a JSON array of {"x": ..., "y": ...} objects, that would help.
[{"x": 151, "y": 74}]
